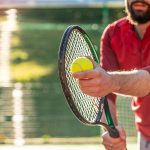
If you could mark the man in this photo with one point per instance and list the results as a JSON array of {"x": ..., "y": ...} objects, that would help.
[{"x": 125, "y": 45}]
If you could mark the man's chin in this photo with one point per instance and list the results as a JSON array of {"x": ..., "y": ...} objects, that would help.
[
  {"x": 139, "y": 13},
  {"x": 140, "y": 17}
]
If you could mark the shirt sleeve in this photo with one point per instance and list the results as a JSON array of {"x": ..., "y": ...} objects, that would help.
[{"x": 108, "y": 59}]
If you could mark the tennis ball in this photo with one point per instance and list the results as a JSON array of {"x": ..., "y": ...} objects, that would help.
[{"x": 81, "y": 64}]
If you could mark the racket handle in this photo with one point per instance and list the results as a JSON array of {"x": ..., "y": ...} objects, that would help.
[{"x": 113, "y": 132}]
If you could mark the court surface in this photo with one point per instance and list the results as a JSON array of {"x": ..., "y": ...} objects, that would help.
[{"x": 131, "y": 146}]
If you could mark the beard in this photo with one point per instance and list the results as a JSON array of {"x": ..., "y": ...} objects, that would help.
[{"x": 138, "y": 17}]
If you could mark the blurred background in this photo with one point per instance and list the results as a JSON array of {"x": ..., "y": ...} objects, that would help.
[{"x": 33, "y": 109}]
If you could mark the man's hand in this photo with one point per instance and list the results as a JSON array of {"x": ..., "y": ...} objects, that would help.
[
  {"x": 115, "y": 143},
  {"x": 95, "y": 82}
]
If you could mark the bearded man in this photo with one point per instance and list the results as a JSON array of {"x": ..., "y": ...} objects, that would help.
[{"x": 125, "y": 45}]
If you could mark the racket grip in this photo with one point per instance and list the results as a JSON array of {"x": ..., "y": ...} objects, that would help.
[{"x": 113, "y": 132}]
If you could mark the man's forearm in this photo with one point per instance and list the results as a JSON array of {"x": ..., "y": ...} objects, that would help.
[
  {"x": 101, "y": 83},
  {"x": 133, "y": 83}
]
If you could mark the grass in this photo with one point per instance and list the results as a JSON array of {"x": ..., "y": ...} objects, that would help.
[
  {"x": 34, "y": 55},
  {"x": 30, "y": 71}
]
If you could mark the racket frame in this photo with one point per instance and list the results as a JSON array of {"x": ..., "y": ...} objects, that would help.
[{"x": 62, "y": 75}]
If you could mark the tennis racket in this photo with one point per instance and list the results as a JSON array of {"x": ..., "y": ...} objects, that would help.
[{"x": 75, "y": 43}]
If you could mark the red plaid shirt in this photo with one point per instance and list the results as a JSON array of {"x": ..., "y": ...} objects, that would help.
[{"x": 122, "y": 49}]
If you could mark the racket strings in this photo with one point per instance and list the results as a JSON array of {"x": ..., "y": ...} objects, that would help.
[{"x": 86, "y": 105}]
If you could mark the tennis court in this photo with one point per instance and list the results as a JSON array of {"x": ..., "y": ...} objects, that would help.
[
  {"x": 66, "y": 144},
  {"x": 131, "y": 146}
]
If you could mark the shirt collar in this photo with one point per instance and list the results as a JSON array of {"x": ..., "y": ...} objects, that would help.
[{"x": 131, "y": 26}]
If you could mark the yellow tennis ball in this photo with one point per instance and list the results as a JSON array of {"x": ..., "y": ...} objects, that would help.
[{"x": 81, "y": 64}]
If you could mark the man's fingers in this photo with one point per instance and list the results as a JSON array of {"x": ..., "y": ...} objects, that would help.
[
  {"x": 114, "y": 143},
  {"x": 89, "y": 74},
  {"x": 117, "y": 146},
  {"x": 87, "y": 83},
  {"x": 84, "y": 75},
  {"x": 122, "y": 132}
]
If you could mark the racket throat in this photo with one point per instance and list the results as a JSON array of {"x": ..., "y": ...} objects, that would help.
[
  {"x": 110, "y": 127},
  {"x": 108, "y": 114}
]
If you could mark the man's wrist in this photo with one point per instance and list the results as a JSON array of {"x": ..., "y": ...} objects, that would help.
[{"x": 115, "y": 84}]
